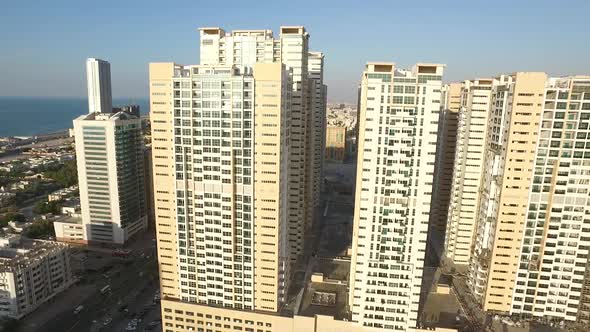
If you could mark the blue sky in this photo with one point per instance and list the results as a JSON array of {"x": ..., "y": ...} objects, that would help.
[{"x": 43, "y": 44}]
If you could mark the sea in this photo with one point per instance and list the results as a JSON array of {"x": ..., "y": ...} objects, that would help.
[{"x": 30, "y": 116}]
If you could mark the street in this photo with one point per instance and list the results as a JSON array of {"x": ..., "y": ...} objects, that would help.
[{"x": 133, "y": 282}]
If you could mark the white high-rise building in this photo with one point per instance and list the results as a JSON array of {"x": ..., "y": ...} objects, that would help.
[
  {"x": 109, "y": 154},
  {"x": 472, "y": 131},
  {"x": 398, "y": 121},
  {"x": 245, "y": 48},
  {"x": 98, "y": 77}
]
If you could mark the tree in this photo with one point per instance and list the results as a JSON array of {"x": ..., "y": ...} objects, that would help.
[
  {"x": 66, "y": 175},
  {"x": 40, "y": 229},
  {"x": 11, "y": 216},
  {"x": 47, "y": 207}
]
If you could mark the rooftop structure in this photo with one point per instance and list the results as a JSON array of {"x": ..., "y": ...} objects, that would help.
[{"x": 31, "y": 272}]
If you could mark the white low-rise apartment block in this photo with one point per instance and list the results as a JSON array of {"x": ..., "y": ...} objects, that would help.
[{"x": 31, "y": 272}]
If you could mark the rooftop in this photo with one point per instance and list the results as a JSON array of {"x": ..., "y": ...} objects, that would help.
[
  {"x": 120, "y": 115},
  {"x": 321, "y": 298},
  {"x": 67, "y": 219},
  {"x": 21, "y": 252}
]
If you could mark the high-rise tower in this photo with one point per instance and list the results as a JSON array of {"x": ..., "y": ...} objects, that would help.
[
  {"x": 98, "y": 77},
  {"x": 471, "y": 138},
  {"x": 398, "y": 121},
  {"x": 243, "y": 48},
  {"x": 109, "y": 154}
]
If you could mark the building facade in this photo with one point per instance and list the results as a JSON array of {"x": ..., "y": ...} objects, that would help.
[
  {"x": 223, "y": 135},
  {"x": 509, "y": 160},
  {"x": 556, "y": 233},
  {"x": 180, "y": 317},
  {"x": 231, "y": 152},
  {"x": 335, "y": 143},
  {"x": 444, "y": 167},
  {"x": 98, "y": 77},
  {"x": 246, "y": 47},
  {"x": 471, "y": 137},
  {"x": 398, "y": 122},
  {"x": 317, "y": 136},
  {"x": 109, "y": 156},
  {"x": 31, "y": 273}
]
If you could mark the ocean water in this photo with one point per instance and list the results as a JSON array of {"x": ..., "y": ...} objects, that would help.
[{"x": 28, "y": 116}]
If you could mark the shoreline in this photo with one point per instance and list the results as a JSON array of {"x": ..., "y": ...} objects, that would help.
[
  {"x": 54, "y": 133},
  {"x": 58, "y": 132}
]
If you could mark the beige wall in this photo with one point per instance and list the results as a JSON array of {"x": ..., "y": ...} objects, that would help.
[
  {"x": 181, "y": 317},
  {"x": 270, "y": 185},
  {"x": 161, "y": 117},
  {"x": 445, "y": 157},
  {"x": 520, "y": 153},
  {"x": 335, "y": 143}
]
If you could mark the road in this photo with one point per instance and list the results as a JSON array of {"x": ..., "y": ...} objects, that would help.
[{"x": 133, "y": 282}]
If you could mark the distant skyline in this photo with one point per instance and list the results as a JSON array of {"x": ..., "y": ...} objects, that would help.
[{"x": 44, "y": 46}]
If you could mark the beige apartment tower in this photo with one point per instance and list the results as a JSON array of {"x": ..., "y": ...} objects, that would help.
[
  {"x": 508, "y": 168},
  {"x": 532, "y": 240},
  {"x": 553, "y": 261},
  {"x": 291, "y": 48},
  {"x": 223, "y": 240}
]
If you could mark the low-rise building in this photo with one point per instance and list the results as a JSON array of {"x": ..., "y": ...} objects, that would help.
[
  {"x": 335, "y": 143},
  {"x": 62, "y": 193},
  {"x": 70, "y": 229},
  {"x": 31, "y": 272},
  {"x": 6, "y": 198},
  {"x": 196, "y": 317}
]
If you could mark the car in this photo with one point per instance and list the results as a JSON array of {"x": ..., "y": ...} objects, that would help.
[
  {"x": 107, "y": 321},
  {"x": 78, "y": 309}
]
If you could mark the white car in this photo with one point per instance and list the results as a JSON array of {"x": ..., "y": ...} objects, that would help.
[{"x": 107, "y": 321}]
